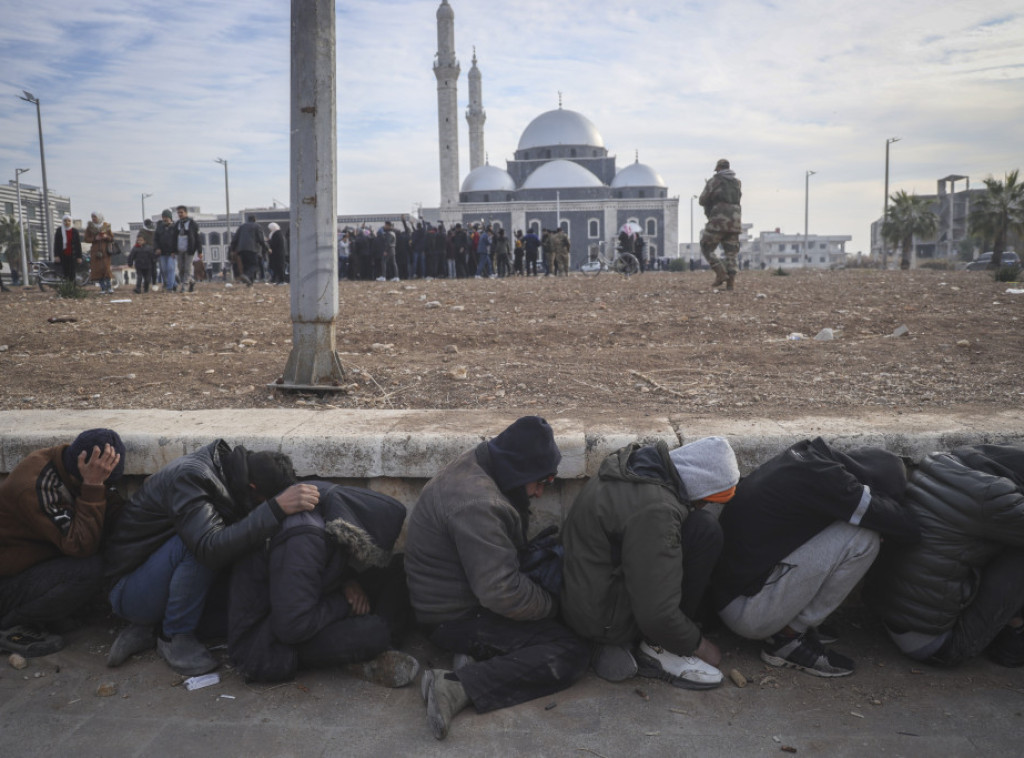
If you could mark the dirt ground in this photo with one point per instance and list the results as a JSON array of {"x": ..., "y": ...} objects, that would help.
[{"x": 656, "y": 343}]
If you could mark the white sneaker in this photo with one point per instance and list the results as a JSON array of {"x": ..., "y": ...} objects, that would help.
[
  {"x": 381, "y": 279},
  {"x": 395, "y": 279},
  {"x": 685, "y": 671}
]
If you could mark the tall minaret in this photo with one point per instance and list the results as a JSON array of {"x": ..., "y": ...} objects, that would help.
[
  {"x": 476, "y": 115},
  {"x": 446, "y": 69}
]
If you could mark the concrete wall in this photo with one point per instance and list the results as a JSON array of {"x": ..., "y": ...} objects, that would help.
[{"x": 396, "y": 452}]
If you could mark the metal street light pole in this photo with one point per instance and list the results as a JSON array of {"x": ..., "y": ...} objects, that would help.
[
  {"x": 885, "y": 206},
  {"x": 21, "y": 226},
  {"x": 807, "y": 195},
  {"x": 144, "y": 196},
  {"x": 227, "y": 209},
  {"x": 692, "y": 198},
  {"x": 28, "y": 97}
]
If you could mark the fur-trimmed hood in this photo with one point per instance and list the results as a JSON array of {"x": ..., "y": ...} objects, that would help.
[{"x": 364, "y": 522}]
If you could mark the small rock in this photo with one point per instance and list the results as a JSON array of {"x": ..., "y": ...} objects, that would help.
[
  {"x": 209, "y": 371},
  {"x": 434, "y": 304},
  {"x": 825, "y": 334},
  {"x": 247, "y": 342},
  {"x": 106, "y": 689},
  {"x": 459, "y": 373},
  {"x": 460, "y": 308},
  {"x": 3, "y": 348},
  {"x": 900, "y": 330},
  {"x": 451, "y": 348},
  {"x": 760, "y": 296},
  {"x": 17, "y": 661},
  {"x": 380, "y": 347},
  {"x": 963, "y": 343},
  {"x": 737, "y": 678}
]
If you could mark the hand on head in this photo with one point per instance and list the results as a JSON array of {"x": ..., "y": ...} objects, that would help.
[
  {"x": 100, "y": 465},
  {"x": 298, "y": 498}
]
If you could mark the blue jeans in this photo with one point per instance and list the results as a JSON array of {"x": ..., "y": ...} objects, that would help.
[
  {"x": 483, "y": 266},
  {"x": 168, "y": 266},
  {"x": 171, "y": 585},
  {"x": 418, "y": 270}
]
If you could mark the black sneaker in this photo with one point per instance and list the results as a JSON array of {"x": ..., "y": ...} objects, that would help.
[
  {"x": 1007, "y": 649},
  {"x": 805, "y": 653},
  {"x": 29, "y": 641}
]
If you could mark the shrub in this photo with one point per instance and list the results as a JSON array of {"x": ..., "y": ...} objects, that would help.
[
  {"x": 678, "y": 264},
  {"x": 780, "y": 271},
  {"x": 939, "y": 265},
  {"x": 70, "y": 289},
  {"x": 1007, "y": 273}
]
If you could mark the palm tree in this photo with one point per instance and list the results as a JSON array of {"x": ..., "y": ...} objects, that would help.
[
  {"x": 998, "y": 211},
  {"x": 909, "y": 215}
]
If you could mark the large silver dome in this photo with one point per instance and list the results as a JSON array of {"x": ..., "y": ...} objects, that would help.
[
  {"x": 488, "y": 178},
  {"x": 638, "y": 175},
  {"x": 559, "y": 174},
  {"x": 560, "y": 127}
]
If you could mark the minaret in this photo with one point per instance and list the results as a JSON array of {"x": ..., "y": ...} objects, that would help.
[
  {"x": 475, "y": 115},
  {"x": 446, "y": 69}
]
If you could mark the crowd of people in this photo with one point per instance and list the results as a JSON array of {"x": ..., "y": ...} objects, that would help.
[
  {"x": 430, "y": 251},
  {"x": 658, "y": 548}
]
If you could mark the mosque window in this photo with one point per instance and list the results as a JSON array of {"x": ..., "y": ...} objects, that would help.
[
  {"x": 202, "y": 238},
  {"x": 526, "y": 156},
  {"x": 534, "y": 226},
  {"x": 593, "y": 228},
  {"x": 487, "y": 198},
  {"x": 641, "y": 194},
  {"x": 652, "y": 227},
  {"x": 216, "y": 253},
  {"x": 565, "y": 226},
  {"x": 508, "y": 196},
  {"x": 572, "y": 152},
  {"x": 214, "y": 238},
  {"x": 547, "y": 153}
]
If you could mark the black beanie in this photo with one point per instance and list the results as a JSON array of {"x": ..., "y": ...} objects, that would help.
[
  {"x": 86, "y": 441},
  {"x": 525, "y": 452}
]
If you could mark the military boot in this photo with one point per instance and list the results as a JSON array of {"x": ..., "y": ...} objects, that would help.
[
  {"x": 720, "y": 276},
  {"x": 730, "y": 280}
]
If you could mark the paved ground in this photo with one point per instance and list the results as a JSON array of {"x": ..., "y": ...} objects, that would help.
[{"x": 888, "y": 707}]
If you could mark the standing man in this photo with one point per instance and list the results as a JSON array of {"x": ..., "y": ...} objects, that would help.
[
  {"x": 465, "y": 583},
  {"x": 389, "y": 265},
  {"x": 188, "y": 521},
  {"x": 67, "y": 248},
  {"x": 53, "y": 509},
  {"x": 165, "y": 244},
  {"x": 639, "y": 553},
  {"x": 278, "y": 254},
  {"x": 721, "y": 203},
  {"x": 560, "y": 248},
  {"x": 249, "y": 242},
  {"x": 188, "y": 245},
  {"x": 531, "y": 244}
]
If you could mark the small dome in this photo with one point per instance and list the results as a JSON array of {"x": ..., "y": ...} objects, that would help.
[
  {"x": 560, "y": 127},
  {"x": 488, "y": 179},
  {"x": 638, "y": 175},
  {"x": 561, "y": 173}
]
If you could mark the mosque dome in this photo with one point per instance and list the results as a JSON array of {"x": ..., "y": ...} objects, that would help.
[
  {"x": 559, "y": 174},
  {"x": 560, "y": 127},
  {"x": 488, "y": 178},
  {"x": 638, "y": 175}
]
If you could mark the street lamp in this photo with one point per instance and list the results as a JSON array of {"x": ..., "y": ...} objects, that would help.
[
  {"x": 807, "y": 188},
  {"x": 28, "y": 97},
  {"x": 144, "y": 196},
  {"x": 227, "y": 200},
  {"x": 692, "y": 198},
  {"x": 885, "y": 206},
  {"x": 21, "y": 226}
]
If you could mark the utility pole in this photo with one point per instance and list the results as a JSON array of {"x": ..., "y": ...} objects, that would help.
[
  {"x": 313, "y": 362},
  {"x": 21, "y": 227},
  {"x": 28, "y": 97},
  {"x": 807, "y": 195},
  {"x": 885, "y": 207},
  {"x": 144, "y": 196}
]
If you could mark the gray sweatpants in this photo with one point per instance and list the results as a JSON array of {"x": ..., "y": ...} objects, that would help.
[{"x": 806, "y": 585}]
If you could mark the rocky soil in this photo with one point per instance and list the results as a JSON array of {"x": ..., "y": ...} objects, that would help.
[{"x": 656, "y": 343}]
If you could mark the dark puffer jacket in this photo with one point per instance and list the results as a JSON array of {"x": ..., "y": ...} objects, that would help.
[
  {"x": 623, "y": 555},
  {"x": 970, "y": 505},
  {"x": 291, "y": 589},
  {"x": 202, "y": 497}
]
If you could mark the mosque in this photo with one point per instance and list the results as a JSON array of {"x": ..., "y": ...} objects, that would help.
[{"x": 561, "y": 173}]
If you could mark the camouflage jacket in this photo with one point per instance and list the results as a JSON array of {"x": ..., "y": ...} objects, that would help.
[{"x": 721, "y": 202}]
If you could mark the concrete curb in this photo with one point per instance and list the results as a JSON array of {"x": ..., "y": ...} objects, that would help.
[{"x": 351, "y": 444}]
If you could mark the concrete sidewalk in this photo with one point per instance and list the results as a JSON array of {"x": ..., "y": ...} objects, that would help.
[{"x": 889, "y": 706}]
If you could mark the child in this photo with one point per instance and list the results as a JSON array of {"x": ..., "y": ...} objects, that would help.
[{"x": 142, "y": 257}]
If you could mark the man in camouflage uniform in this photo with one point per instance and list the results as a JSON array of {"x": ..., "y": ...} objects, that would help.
[
  {"x": 560, "y": 251},
  {"x": 721, "y": 202}
]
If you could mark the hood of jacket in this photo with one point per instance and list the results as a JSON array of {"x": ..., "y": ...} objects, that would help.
[{"x": 365, "y": 523}]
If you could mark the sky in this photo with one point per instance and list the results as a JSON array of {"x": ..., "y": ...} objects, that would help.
[{"x": 140, "y": 97}]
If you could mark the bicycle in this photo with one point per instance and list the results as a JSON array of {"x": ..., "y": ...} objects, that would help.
[{"x": 624, "y": 263}]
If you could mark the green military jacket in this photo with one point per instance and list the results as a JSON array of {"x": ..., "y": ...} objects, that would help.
[{"x": 623, "y": 557}]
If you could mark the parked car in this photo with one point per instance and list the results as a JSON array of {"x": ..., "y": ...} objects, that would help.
[{"x": 982, "y": 261}]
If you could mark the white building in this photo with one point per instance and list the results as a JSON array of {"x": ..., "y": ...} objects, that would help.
[
  {"x": 39, "y": 239},
  {"x": 777, "y": 250}
]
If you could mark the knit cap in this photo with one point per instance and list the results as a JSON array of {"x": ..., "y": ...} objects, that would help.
[
  {"x": 525, "y": 452},
  {"x": 707, "y": 466},
  {"x": 86, "y": 441}
]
